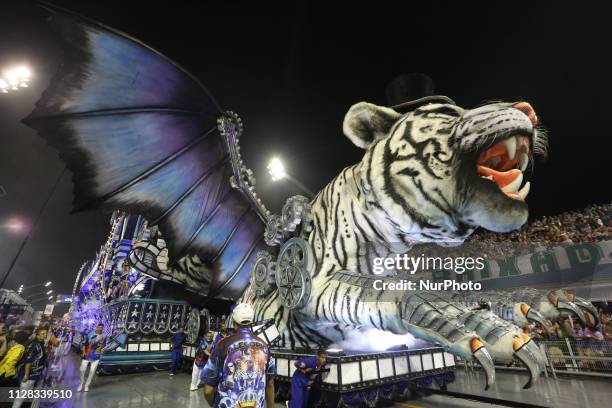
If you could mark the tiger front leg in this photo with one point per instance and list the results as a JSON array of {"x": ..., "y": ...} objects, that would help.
[
  {"x": 505, "y": 341},
  {"x": 351, "y": 300}
]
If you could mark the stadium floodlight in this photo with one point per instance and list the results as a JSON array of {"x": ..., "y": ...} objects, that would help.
[
  {"x": 14, "y": 78},
  {"x": 50, "y": 292},
  {"x": 277, "y": 172},
  {"x": 276, "y": 169},
  {"x": 48, "y": 283}
]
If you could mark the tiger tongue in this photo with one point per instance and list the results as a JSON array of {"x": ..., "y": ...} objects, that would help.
[{"x": 501, "y": 178}]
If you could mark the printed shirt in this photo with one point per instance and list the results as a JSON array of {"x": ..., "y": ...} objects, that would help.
[
  {"x": 239, "y": 368},
  {"x": 94, "y": 341},
  {"x": 37, "y": 356},
  {"x": 217, "y": 339},
  {"x": 200, "y": 356}
]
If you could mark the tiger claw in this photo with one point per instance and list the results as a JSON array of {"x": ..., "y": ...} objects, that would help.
[
  {"x": 570, "y": 307},
  {"x": 531, "y": 356},
  {"x": 589, "y": 311},
  {"x": 533, "y": 316},
  {"x": 560, "y": 300},
  {"x": 483, "y": 357}
]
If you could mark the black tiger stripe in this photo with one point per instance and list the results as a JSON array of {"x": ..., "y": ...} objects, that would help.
[
  {"x": 374, "y": 230},
  {"x": 347, "y": 302},
  {"x": 318, "y": 302},
  {"x": 304, "y": 341},
  {"x": 339, "y": 330},
  {"x": 373, "y": 322},
  {"x": 357, "y": 304},
  {"x": 334, "y": 301},
  {"x": 380, "y": 318},
  {"x": 395, "y": 196},
  {"x": 289, "y": 331},
  {"x": 326, "y": 340},
  {"x": 319, "y": 230},
  {"x": 448, "y": 211},
  {"x": 336, "y": 228}
]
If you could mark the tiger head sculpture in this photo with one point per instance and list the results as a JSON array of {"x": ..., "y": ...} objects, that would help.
[{"x": 438, "y": 171}]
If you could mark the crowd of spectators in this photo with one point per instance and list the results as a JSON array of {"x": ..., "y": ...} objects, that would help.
[
  {"x": 566, "y": 327},
  {"x": 26, "y": 353},
  {"x": 592, "y": 224}
]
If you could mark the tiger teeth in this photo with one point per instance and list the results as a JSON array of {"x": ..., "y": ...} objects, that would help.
[
  {"x": 524, "y": 191},
  {"x": 514, "y": 185},
  {"x": 510, "y": 147},
  {"x": 523, "y": 141},
  {"x": 523, "y": 161}
]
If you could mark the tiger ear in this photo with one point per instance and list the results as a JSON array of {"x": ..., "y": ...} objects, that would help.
[{"x": 366, "y": 123}]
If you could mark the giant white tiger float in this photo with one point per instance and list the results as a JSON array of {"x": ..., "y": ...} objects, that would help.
[{"x": 144, "y": 136}]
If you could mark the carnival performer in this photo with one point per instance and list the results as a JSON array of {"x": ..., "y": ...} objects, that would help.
[
  {"x": 178, "y": 339},
  {"x": 35, "y": 361},
  {"x": 240, "y": 371},
  {"x": 308, "y": 369},
  {"x": 201, "y": 357},
  {"x": 220, "y": 335},
  {"x": 92, "y": 351}
]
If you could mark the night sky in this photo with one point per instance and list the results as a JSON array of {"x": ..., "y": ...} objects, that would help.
[{"x": 293, "y": 72}]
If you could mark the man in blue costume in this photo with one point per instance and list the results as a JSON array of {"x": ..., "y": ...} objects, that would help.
[
  {"x": 92, "y": 351},
  {"x": 201, "y": 357},
  {"x": 308, "y": 368},
  {"x": 240, "y": 371},
  {"x": 177, "y": 339}
]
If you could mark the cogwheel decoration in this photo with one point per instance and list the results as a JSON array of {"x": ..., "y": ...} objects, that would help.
[
  {"x": 262, "y": 274},
  {"x": 230, "y": 123},
  {"x": 295, "y": 263},
  {"x": 193, "y": 325},
  {"x": 230, "y": 127},
  {"x": 274, "y": 230}
]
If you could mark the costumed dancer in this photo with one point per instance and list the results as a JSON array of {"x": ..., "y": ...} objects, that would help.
[
  {"x": 178, "y": 339},
  {"x": 92, "y": 351},
  {"x": 220, "y": 335},
  {"x": 201, "y": 357},
  {"x": 240, "y": 372},
  {"x": 308, "y": 369}
]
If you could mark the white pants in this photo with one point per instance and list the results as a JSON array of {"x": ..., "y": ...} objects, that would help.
[
  {"x": 92, "y": 371},
  {"x": 28, "y": 385},
  {"x": 195, "y": 376}
]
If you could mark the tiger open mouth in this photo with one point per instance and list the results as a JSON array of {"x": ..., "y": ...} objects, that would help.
[{"x": 505, "y": 163}]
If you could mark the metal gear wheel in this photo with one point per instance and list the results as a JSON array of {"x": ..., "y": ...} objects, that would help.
[
  {"x": 193, "y": 325},
  {"x": 293, "y": 268},
  {"x": 229, "y": 121},
  {"x": 262, "y": 274},
  {"x": 274, "y": 230}
]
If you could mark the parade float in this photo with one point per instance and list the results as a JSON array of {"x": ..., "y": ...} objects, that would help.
[
  {"x": 144, "y": 137},
  {"x": 110, "y": 291}
]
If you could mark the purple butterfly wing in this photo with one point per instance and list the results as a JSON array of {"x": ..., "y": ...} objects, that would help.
[{"x": 140, "y": 135}]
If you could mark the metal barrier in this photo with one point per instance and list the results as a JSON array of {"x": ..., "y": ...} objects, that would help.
[
  {"x": 567, "y": 356},
  {"x": 580, "y": 357}
]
